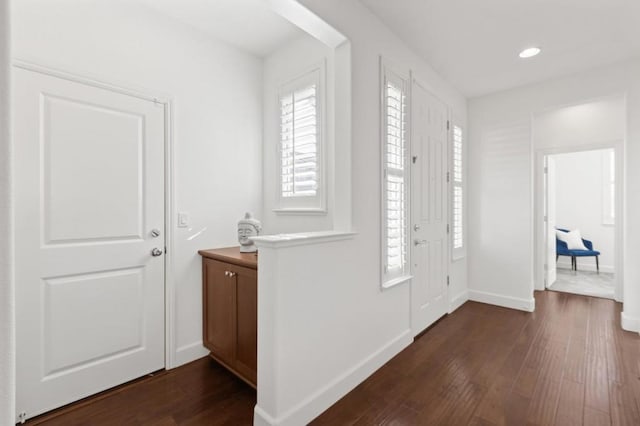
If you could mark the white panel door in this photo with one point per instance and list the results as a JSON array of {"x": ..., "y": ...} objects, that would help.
[
  {"x": 89, "y": 185},
  {"x": 550, "y": 213},
  {"x": 429, "y": 256}
]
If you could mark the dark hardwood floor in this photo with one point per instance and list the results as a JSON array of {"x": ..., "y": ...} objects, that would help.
[
  {"x": 568, "y": 363},
  {"x": 199, "y": 393}
]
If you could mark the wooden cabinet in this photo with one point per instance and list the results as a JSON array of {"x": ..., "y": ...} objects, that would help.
[{"x": 230, "y": 308}]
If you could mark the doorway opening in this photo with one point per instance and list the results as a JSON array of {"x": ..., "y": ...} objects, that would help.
[{"x": 579, "y": 217}]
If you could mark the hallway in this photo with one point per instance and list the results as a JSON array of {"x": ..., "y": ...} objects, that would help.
[{"x": 568, "y": 363}]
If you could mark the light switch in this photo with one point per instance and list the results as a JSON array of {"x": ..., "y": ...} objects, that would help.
[{"x": 183, "y": 219}]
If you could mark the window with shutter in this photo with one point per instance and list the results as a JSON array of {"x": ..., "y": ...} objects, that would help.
[
  {"x": 395, "y": 175},
  {"x": 457, "y": 233},
  {"x": 300, "y": 149}
]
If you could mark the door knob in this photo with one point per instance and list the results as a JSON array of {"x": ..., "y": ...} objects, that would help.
[
  {"x": 416, "y": 227},
  {"x": 156, "y": 252},
  {"x": 419, "y": 242}
]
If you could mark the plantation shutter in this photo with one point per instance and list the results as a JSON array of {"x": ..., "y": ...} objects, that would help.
[
  {"x": 458, "y": 195},
  {"x": 299, "y": 142},
  {"x": 395, "y": 177}
]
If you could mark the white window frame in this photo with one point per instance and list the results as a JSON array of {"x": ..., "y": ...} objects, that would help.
[
  {"x": 394, "y": 276},
  {"x": 458, "y": 181},
  {"x": 314, "y": 204},
  {"x": 609, "y": 187}
]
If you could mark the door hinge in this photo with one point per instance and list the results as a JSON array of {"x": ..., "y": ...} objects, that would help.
[
  {"x": 447, "y": 228},
  {"x": 448, "y": 280},
  {"x": 22, "y": 417},
  {"x": 165, "y": 250},
  {"x": 545, "y": 218},
  {"x": 414, "y": 158},
  {"x": 448, "y": 125},
  {"x": 448, "y": 176},
  {"x": 546, "y": 170}
]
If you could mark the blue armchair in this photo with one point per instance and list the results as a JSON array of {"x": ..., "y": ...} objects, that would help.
[{"x": 563, "y": 250}]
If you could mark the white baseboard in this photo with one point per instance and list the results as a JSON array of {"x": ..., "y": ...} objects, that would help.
[
  {"x": 458, "y": 300},
  {"x": 527, "y": 305},
  {"x": 187, "y": 353},
  {"x": 630, "y": 323},
  {"x": 587, "y": 266},
  {"x": 325, "y": 397}
]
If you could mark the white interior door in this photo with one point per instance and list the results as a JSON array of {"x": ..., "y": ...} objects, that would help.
[
  {"x": 429, "y": 256},
  {"x": 550, "y": 215},
  {"x": 89, "y": 185}
]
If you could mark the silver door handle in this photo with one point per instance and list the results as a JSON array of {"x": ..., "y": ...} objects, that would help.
[
  {"x": 230, "y": 274},
  {"x": 156, "y": 252},
  {"x": 419, "y": 242}
]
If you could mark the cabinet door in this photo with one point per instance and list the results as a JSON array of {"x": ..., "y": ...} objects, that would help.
[
  {"x": 219, "y": 310},
  {"x": 247, "y": 323}
]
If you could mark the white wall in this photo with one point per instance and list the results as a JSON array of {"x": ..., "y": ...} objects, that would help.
[
  {"x": 501, "y": 173},
  {"x": 288, "y": 62},
  {"x": 7, "y": 318},
  {"x": 579, "y": 187},
  {"x": 329, "y": 323},
  {"x": 588, "y": 123},
  {"x": 217, "y": 93}
]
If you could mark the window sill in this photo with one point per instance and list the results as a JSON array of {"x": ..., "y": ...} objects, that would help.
[
  {"x": 312, "y": 211},
  {"x": 396, "y": 281},
  {"x": 458, "y": 257},
  {"x": 300, "y": 239}
]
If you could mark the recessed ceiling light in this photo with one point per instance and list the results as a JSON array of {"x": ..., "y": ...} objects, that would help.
[{"x": 530, "y": 52}]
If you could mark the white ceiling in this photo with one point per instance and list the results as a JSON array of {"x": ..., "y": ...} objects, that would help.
[
  {"x": 247, "y": 24},
  {"x": 474, "y": 44}
]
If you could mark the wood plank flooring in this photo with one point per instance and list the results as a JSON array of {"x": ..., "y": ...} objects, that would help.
[
  {"x": 568, "y": 363},
  {"x": 199, "y": 393}
]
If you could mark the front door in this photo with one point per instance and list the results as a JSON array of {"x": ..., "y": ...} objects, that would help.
[
  {"x": 89, "y": 241},
  {"x": 429, "y": 148}
]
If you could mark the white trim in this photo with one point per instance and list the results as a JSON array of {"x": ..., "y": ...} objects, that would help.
[
  {"x": 188, "y": 353},
  {"x": 538, "y": 228},
  {"x": 169, "y": 204},
  {"x": 396, "y": 281},
  {"x": 629, "y": 323},
  {"x": 169, "y": 184},
  {"x": 458, "y": 300},
  {"x": 527, "y": 305},
  {"x": 7, "y": 279},
  {"x": 91, "y": 81},
  {"x": 318, "y": 212},
  {"x": 301, "y": 239},
  {"x": 307, "y": 21},
  {"x": 315, "y": 404}
]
